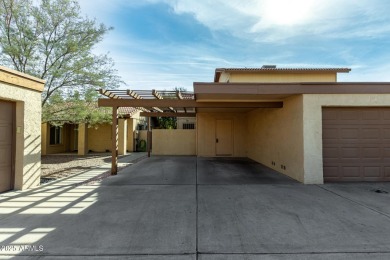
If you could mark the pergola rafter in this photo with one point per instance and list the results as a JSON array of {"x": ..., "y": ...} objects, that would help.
[{"x": 157, "y": 95}]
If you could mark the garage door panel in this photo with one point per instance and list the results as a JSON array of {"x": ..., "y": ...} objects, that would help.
[
  {"x": 330, "y": 115},
  {"x": 349, "y": 152},
  {"x": 372, "y": 172},
  {"x": 5, "y": 155},
  {"x": 371, "y": 115},
  {"x": 372, "y": 153},
  {"x": 386, "y": 153},
  {"x": 371, "y": 133},
  {"x": 386, "y": 114},
  {"x": 356, "y": 144},
  {"x": 347, "y": 114},
  {"x": 331, "y": 152},
  {"x": 332, "y": 171},
  {"x": 331, "y": 133},
  {"x": 349, "y": 133},
  {"x": 350, "y": 171},
  {"x": 386, "y": 133},
  {"x": 387, "y": 171}
]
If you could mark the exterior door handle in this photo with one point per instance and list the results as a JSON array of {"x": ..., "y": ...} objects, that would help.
[{"x": 216, "y": 140}]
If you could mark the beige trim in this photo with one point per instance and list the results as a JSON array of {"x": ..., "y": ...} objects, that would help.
[{"x": 17, "y": 78}]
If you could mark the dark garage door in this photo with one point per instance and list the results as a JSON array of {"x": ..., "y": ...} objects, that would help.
[
  {"x": 356, "y": 144},
  {"x": 7, "y": 115}
]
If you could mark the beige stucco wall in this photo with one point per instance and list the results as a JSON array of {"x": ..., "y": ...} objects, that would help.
[
  {"x": 131, "y": 128},
  {"x": 206, "y": 127},
  {"x": 312, "y": 131},
  {"x": 278, "y": 77},
  {"x": 174, "y": 142},
  {"x": 276, "y": 135},
  {"x": 28, "y": 126},
  {"x": 99, "y": 138}
]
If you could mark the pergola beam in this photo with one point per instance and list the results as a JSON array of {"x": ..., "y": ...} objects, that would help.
[
  {"x": 167, "y": 114},
  {"x": 185, "y": 103},
  {"x": 108, "y": 93},
  {"x": 157, "y": 95}
]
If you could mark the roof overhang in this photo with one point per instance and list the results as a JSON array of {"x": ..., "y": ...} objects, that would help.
[{"x": 248, "y": 92}]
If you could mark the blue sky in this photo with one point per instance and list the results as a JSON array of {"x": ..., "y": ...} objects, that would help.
[{"x": 163, "y": 44}]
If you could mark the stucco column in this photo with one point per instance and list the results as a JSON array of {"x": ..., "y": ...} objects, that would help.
[
  {"x": 44, "y": 128},
  {"x": 83, "y": 139},
  {"x": 122, "y": 136}
]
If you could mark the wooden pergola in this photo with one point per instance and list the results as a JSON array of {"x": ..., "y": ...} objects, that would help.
[{"x": 154, "y": 103}]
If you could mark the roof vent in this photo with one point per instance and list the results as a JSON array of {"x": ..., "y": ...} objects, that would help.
[{"x": 268, "y": 67}]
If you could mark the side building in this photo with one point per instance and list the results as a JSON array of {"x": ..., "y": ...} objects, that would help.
[{"x": 20, "y": 125}]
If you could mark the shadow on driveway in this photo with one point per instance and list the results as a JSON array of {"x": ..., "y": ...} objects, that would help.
[{"x": 198, "y": 208}]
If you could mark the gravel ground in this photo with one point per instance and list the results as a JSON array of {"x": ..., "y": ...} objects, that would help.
[{"x": 63, "y": 165}]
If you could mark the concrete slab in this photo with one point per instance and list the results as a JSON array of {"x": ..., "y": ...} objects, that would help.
[
  {"x": 119, "y": 220},
  {"x": 311, "y": 256},
  {"x": 158, "y": 170},
  {"x": 237, "y": 171},
  {"x": 372, "y": 195},
  {"x": 238, "y": 210},
  {"x": 119, "y": 257},
  {"x": 286, "y": 219}
]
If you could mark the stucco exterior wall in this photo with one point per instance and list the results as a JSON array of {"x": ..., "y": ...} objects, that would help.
[
  {"x": 206, "y": 133},
  {"x": 28, "y": 132},
  {"x": 278, "y": 77},
  {"x": 99, "y": 138},
  {"x": 312, "y": 131},
  {"x": 276, "y": 135},
  {"x": 174, "y": 142},
  {"x": 131, "y": 128}
]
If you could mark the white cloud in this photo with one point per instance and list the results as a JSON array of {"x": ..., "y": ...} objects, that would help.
[
  {"x": 256, "y": 21},
  {"x": 275, "y": 20}
]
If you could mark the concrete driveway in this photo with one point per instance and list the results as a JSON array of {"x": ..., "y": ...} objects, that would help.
[{"x": 197, "y": 208}]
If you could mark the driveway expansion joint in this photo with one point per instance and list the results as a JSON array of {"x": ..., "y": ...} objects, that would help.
[{"x": 354, "y": 201}]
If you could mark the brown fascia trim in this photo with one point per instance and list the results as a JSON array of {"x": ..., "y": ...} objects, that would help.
[
  {"x": 106, "y": 102},
  {"x": 293, "y": 88},
  {"x": 343, "y": 70}
]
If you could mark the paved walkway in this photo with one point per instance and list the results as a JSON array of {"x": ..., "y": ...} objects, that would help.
[{"x": 196, "y": 208}]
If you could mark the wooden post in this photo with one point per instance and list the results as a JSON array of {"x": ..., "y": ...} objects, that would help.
[
  {"x": 149, "y": 139},
  {"x": 114, "y": 160}
]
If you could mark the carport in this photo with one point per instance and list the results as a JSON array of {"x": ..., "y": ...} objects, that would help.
[
  {"x": 279, "y": 125},
  {"x": 166, "y": 104}
]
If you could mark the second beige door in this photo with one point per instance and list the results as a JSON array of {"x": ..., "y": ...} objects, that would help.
[{"x": 224, "y": 137}]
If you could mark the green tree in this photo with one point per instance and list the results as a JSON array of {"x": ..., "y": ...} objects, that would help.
[
  {"x": 51, "y": 40},
  {"x": 75, "y": 109}
]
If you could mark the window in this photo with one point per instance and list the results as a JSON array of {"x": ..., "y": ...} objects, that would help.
[
  {"x": 188, "y": 125},
  {"x": 55, "y": 135}
]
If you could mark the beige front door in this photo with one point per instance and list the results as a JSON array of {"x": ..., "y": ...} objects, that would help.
[
  {"x": 224, "y": 137},
  {"x": 7, "y": 115}
]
